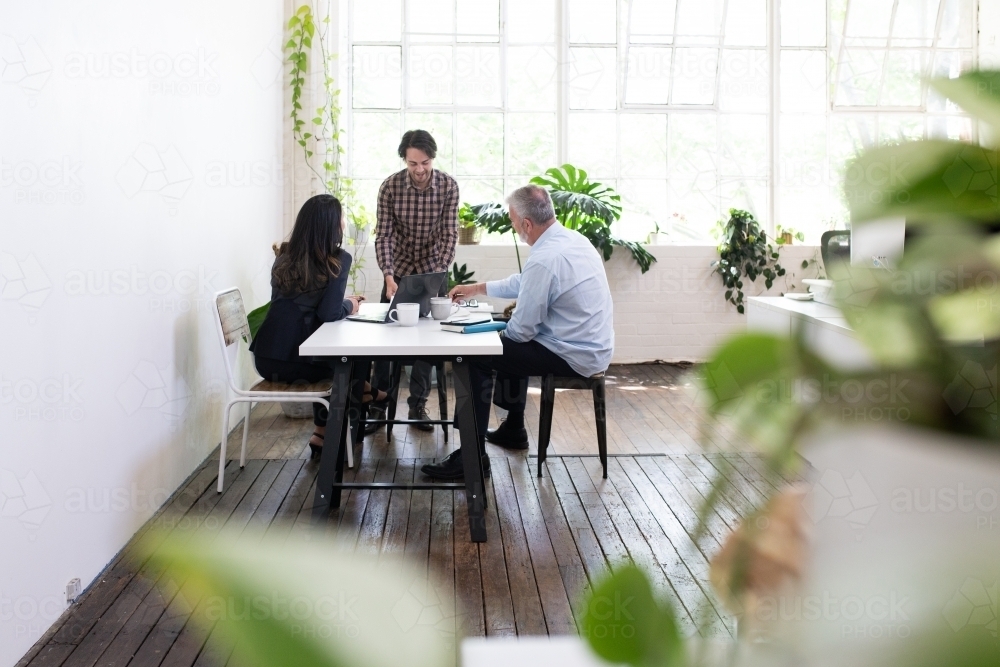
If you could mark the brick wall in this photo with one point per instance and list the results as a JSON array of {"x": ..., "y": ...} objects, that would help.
[{"x": 674, "y": 312}]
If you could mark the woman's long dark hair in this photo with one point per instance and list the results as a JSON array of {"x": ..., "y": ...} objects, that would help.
[{"x": 311, "y": 257}]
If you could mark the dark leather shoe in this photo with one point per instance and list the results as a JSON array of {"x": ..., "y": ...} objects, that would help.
[
  {"x": 508, "y": 436},
  {"x": 374, "y": 413},
  {"x": 420, "y": 412},
  {"x": 450, "y": 467}
]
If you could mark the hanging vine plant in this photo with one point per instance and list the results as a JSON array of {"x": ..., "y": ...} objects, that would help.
[{"x": 745, "y": 255}]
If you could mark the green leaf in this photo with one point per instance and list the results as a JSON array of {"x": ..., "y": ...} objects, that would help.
[
  {"x": 978, "y": 92},
  {"x": 926, "y": 181},
  {"x": 256, "y": 317},
  {"x": 624, "y": 623},
  {"x": 740, "y": 364},
  {"x": 266, "y": 596}
]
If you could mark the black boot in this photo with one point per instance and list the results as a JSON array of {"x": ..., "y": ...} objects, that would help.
[
  {"x": 511, "y": 434},
  {"x": 450, "y": 468}
]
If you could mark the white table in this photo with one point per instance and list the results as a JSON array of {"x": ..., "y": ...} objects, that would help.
[{"x": 353, "y": 346}]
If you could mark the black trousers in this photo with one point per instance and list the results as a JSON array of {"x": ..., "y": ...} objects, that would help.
[
  {"x": 420, "y": 372},
  {"x": 293, "y": 372},
  {"x": 510, "y": 388}
]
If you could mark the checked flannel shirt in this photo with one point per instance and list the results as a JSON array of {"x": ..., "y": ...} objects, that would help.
[{"x": 417, "y": 229}]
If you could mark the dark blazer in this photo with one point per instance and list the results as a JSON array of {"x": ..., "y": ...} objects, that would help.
[{"x": 294, "y": 317}]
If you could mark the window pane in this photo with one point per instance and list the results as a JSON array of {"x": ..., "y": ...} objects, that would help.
[
  {"x": 644, "y": 203},
  {"x": 593, "y": 21},
  {"x": 694, "y": 76},
  {"x": 439, "y": 125},
  {"x": 956, "y": 24},
  {"x": 592, "y": 79},
  {"x": 744, "y": 82},
  {"x": 803, "y": 23},
  {"x": 480, "y": 191},
  {"x": 804, "y": 193},
  {"x": 746, "y": 23},
  {"x": 374, "y": 143},
  {"x": 592, "y": 143},
  {"x": 902, "y": 78},
  {"x": 915, "y": 22},
  {"x": 644, "y": 145},
  {"x": 869, "y": 18},
  {"x": 803, "y": 81},
  {"x": 531, "y": 78},
  {"x": 376, "y": 20},
  {"x": 430, "y": 20},
  {"x": 430, "y": 75},
  {"x": 377, "y": 77},
  {"x": 478, "y": 72},
  {"x": 695, "y": 200},
  {"x": 366, "y": 190},
  {"x": 480, "y": 144},
  {"x": 651, "y": 21},
  {"x": 699, "y": 21},
  {"x": 743, "y": 145},
  {"x": 479, "y": 20},
  {"x": 746, "y": 194},
  {"x": 648, "y": 75},
  {"x": 860, "y": 74},
  {"x": 692, "y": 144},
  {"x": 895, "y": 128},
  {"x": 531, "y": 21},
  {"x": 531, "y": 143}
]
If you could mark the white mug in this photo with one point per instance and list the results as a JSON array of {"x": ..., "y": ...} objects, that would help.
[
  {"x": 405, "y": 314},
  {"x": 442, "y": 307}
]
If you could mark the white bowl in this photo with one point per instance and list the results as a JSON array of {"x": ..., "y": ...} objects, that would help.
[{"x": 822, "y": 290}]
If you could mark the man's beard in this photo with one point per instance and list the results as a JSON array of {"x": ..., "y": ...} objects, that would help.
[{"x": 522, "y": 238}]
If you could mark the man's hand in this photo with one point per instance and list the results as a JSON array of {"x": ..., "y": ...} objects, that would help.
[
  {"x": 390, "y": 287},
  {"x": 467, "y": 291}
]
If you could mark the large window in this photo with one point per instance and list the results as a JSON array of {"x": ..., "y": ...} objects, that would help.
[{"x": 669, "y": 101}]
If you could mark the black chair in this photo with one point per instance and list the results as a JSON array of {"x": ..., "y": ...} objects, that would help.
[
  {"x": 595, "y": 384},
  {"x": 396, "y": 374}
]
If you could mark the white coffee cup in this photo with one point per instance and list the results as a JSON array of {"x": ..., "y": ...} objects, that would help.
[
  {"x": 442, "y": 307},
  {"x": 405, "y": 314}
]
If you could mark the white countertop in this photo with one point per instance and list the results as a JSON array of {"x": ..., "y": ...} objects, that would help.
[
  {"x": 824, "y": 315},
  {"x": 369, "y": 339}
]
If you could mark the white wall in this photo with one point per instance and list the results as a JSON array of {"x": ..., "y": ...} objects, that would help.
[
  {"x": 674, "y": 312},
  {"x": 140, "y": 155}
]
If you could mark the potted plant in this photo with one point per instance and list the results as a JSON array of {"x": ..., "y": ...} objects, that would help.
[
  {"x": 469, "y": 233},
  {"x": 459, "y": 275},
  {"x": 744, "y": 254},
  {"x": 656, "y": 237},
  {"x": 787, "y": 235},
  {"x": 587, "y": 206}
]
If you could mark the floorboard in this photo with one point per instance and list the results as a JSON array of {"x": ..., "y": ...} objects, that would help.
[{"x": 551, "y": 537}]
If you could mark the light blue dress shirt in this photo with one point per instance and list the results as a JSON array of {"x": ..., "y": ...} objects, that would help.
[{"x": 563, "y": 300}]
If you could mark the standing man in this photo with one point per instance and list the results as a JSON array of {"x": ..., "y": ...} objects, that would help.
[{"x": 416, "y": 233}]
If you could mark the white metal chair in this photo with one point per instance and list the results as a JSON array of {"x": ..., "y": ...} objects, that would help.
[{"x": 232, "y": 326}]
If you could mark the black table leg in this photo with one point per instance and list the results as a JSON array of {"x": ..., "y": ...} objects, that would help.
[
  {"x": 471, "y": 457},
  {"x": 331, "y": 463},
  {"x": 360, "y": 374}
]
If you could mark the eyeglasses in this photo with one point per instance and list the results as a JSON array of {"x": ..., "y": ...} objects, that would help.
[{"x": 472, "y": 303}]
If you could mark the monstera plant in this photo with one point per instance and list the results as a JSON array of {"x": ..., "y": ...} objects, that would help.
[{"x": 580, "y": 204}]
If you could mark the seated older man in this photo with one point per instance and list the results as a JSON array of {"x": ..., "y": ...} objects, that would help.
[{"x": 562, "y": 324}]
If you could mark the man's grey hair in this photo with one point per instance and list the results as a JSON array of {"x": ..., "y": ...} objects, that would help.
[{"x": 532, "y": 202}]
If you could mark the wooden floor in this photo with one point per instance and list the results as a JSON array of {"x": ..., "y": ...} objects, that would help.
[{"x": 569, "y": 525}]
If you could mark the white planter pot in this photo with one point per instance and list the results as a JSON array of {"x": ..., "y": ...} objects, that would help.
[
  {"x": 658, "y": 239},
  {"x": 906, "y": 527},
  {"x": 359, "y": 237}
]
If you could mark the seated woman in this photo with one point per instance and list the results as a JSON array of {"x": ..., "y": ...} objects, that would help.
[{"x": 308, "y": 281}]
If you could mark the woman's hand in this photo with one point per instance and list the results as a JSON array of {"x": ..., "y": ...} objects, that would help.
[{"x": 355, "y": 303}]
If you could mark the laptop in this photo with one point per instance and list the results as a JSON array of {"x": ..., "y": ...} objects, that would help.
[{"x": 418, "y": 288}]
